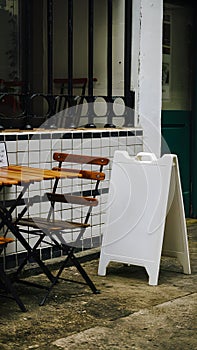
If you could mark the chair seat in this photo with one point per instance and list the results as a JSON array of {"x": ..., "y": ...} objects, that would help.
[{"x": 50, "y": 225}]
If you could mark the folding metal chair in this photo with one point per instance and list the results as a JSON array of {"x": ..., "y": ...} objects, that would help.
[
  {"x": 5, "y": 281},
  {"x": 58, "y": 230}
]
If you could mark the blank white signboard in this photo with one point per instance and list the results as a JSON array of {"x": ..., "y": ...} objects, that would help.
[{"x": 145, "y": 214}]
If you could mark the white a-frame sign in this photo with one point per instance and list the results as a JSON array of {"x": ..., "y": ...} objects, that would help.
[{"x": 145, "y": 214}]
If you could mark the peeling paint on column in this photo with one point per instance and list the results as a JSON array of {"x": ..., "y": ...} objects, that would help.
[{"x": 148, "y": 94}]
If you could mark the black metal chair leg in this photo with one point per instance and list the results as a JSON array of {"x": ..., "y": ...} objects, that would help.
[
  {"x": 54, "y": 281},
  {"x": 24, "y": 262},
  {"x": 83, "y": 274},
  {"x": 21, "y": 266},
  {"x": 30, "y": 252},
  {"x": 81, "y": 270},
  {"x": 9, "y": 287}
]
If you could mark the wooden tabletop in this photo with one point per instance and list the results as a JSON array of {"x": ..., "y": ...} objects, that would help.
[
  {"x": 18, "y": 174},
  {"x": 5, "y": 240}
]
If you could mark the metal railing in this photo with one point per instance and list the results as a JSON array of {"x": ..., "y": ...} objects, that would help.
[{"x": 27, "y": 111}]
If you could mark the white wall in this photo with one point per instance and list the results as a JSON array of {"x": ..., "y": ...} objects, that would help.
[{"x": 147, "y": 80}]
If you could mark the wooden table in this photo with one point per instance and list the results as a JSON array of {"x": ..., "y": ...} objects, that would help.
[
  {"x": 25, "y": 176},
  {"x": 18, "y": 174}
]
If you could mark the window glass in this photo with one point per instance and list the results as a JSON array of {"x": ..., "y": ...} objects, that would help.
[{"x": 9, "y": 34}]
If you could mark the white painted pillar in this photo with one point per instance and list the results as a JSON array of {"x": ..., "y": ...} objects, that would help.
[{"x": 147, "y": 72}]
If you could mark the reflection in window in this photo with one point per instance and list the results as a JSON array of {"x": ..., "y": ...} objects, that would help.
[{"x": 9, "y": 58}]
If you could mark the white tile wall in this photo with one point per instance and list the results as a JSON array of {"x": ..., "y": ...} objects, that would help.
[{"x": 36, "y": 149}]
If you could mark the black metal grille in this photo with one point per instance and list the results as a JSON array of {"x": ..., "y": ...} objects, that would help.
[{"x": 21, "y": 111}]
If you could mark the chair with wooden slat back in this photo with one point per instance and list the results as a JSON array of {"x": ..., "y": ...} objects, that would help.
[
  {"x": 5, "y": 281},
  {"x": 90, "y": 172}
]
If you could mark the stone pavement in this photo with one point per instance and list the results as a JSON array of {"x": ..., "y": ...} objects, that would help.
[{"x": 127, "y": 314}]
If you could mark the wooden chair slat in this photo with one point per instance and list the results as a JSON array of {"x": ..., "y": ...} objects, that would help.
[
  {"x": 5, "y": 240},
  {"x": 85, "y": 174},
  {"x": 67, "y": 198},
  {"x": 80, "y": 159},
  {"x": 7, "y": 182},
  {"x": 49, "y": 225}
]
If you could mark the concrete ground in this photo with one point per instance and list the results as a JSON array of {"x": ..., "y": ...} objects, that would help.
[{"x": 127, "y": 314}]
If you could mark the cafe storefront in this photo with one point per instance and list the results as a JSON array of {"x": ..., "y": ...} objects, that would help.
[{"x": 79, "y": 76}]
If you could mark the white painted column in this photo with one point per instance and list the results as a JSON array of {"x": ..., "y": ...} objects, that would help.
[{"x": 147, "y": 80}]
